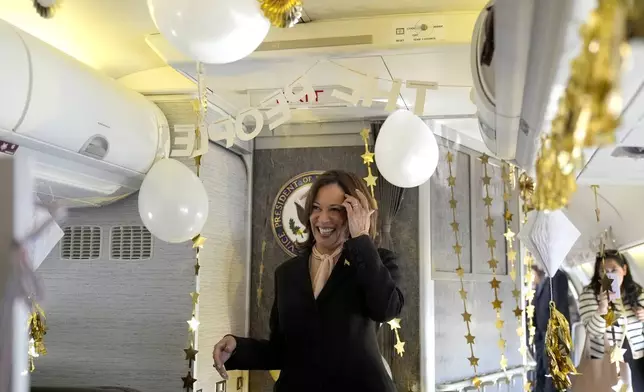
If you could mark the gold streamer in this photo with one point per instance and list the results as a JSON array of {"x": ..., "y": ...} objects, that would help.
[
  {"x": 37, "y": 330},
  {"x": 467, "y": 317},
  {"x": 558, "y": 349},
  {"x": 590, "y": 107},
  {"x": 493, "y": 262},
  {"x": 282, "y": 13},
  {"x": 368, "y": 159}
]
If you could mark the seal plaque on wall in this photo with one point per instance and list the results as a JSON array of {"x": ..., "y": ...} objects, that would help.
[{"x": 287, "y": 216}]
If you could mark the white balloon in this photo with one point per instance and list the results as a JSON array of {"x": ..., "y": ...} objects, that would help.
[
  {"x": 406, "y": 150},
  {"x": 211, "y": 31},
  {"x": 173, "y": 203}
]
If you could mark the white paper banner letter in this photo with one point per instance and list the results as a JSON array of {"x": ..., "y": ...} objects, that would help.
[
  {"x": 421, "y": 93},
  {"x": 222, "y": 130},
  {"x": 239, "y": 124},
  {"x": 183, "y": 141},
  {"x": 305, "y": 91},
  {"x": 281, "y": 111}
]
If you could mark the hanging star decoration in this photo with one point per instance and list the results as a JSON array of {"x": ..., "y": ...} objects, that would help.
[
  {"x": 621, "y": 386},
  {"x": 493, "y": 263},
  {"x": 526, "y": 188},
  {"x": 400, "y": 345},
  {"x": 509, "y": 180},
  {"x": 368, "y": 160},
  {"x": 460, "y": 272}
]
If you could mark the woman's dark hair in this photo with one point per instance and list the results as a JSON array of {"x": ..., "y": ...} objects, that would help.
[
  {"x": 349, "y": 182},
  {"x": 631, "y": 289}
]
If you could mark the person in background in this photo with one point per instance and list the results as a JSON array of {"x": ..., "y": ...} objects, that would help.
[
  {"x": 541, "y": 304},
  {"x": 593, "y": 304},
  {"x": 328, "y": 301}
]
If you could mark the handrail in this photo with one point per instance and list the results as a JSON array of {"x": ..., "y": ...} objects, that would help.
[{"x": 458, "y": 386}]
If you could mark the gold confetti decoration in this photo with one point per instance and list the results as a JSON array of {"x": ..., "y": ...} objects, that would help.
[
  {"x": 467, "y": 317},
  {"x": 493, "y": 262},
  {"x": 282, "y": 13},
  {"x": 37, "y": 330},
  {"x": 400, "y": 345},
  {"x": 368, "y": 159},
  {"x": 589, "y": 110},
  {"x": 558, "y": 349},
  {"x": 260, "y": 285}
]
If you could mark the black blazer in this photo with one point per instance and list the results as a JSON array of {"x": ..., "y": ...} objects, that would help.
[{"x": 328, "y": 343}]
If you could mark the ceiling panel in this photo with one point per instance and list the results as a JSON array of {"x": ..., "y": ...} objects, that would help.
[
  {"x": 334, "y": 9},
  {"x": 106, "y": 35}
]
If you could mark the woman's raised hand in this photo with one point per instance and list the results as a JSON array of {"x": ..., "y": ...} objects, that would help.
[
  {"x": 222, "y": 352},
  {"x": 358, "y": 214}
]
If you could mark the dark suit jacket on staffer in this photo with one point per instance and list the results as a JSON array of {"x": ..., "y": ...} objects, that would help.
[{"x": 328, "y": 343}]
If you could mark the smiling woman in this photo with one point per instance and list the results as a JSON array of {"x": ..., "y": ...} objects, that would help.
[{"x": 329, "y": 300}]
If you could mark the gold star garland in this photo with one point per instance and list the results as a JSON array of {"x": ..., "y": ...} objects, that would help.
[
  {"x": 260, "y": 285},
  {"x": 467, "y": 317},
  {"x": 493, "y": 262},
  {"x": 589, "y": 109},
  {"x": 617, "y": 353},
  {"x": 526, "y": 188},
  {"x": 200, "y": 107},
  {"x": 367, "y": 159},
  {"x": 508, "y": 173},
  {"x": 400, "y": 345}
]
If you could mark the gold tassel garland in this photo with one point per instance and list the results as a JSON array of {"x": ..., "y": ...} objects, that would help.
[
  {"x": 37, "y": 330},
  {"x": 282, "y": 13},
  {"x": 589, "y": 110},
  {"x": 558, "y": 349}
]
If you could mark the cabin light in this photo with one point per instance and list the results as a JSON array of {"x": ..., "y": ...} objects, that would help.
[{"x": 635, "y": 251}]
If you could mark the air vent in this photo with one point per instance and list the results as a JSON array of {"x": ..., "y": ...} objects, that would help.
[
  {"x": 130, "y": 243},
  {"x": 81, "y": 243},
  {"x": 632, "y": 152}
]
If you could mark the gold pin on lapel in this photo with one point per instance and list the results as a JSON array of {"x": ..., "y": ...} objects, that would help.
[{"x": 346, "y": 262}]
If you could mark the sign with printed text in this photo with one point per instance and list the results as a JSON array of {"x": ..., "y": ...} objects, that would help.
[
  {"x": 414, "y": 31},
  {"x": 288, "y": 215},
  {"x": 8, "y": 148}
]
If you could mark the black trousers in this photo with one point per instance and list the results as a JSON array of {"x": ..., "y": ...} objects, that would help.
[{"x": 637, "y": 368}]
